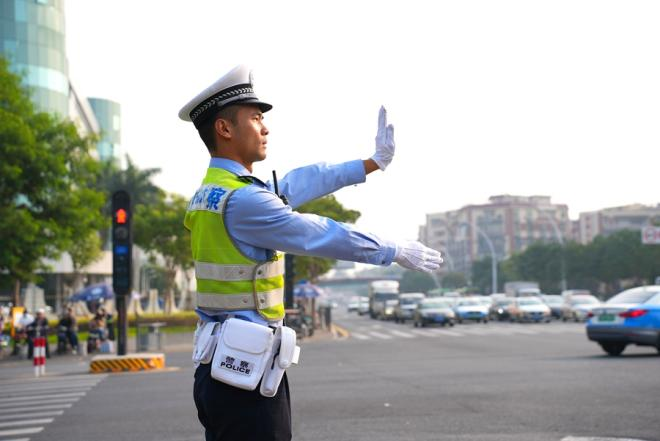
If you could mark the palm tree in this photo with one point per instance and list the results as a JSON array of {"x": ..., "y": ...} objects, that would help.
[{"x": 137, "y": 182}]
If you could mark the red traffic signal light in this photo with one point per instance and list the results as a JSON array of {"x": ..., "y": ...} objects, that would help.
[{"x": 120, "y": 216}]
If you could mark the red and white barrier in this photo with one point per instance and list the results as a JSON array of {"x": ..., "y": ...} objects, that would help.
[{"x": 39, "y": 356}]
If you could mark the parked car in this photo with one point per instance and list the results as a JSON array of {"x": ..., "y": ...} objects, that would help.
[
  {"x": 407, "y": 305},
  {"x": 500, "y": 309},
  {"x": 630, "y": 317},
  {"x": 555, "y": 303},
  {"x": 434, "y": 310},
  {"x": 529, "y": 309},
  {"x": 471, "y": 309},
  {"x": 577, "y": 307}
]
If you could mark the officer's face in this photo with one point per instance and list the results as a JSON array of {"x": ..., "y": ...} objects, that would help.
[{"x": 250, "y": 134}]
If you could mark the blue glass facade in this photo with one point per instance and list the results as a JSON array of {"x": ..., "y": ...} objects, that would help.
[
  {"x": 32, "y": 37},
  {"x": 108, "y": 115}
]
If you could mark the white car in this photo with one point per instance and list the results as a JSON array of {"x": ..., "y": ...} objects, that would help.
[
  {"x": 353, "y": 304},
  {"x": 471, "y": 309}
]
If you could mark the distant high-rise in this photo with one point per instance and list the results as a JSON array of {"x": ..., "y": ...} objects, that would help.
[
  {"x": 510, "y": 223},
  {"x": 108, "y": 115},
  {"x": 33, "y": 39}
]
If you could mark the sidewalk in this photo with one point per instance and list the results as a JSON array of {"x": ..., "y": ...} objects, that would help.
[{"x": 56, "y": 365}]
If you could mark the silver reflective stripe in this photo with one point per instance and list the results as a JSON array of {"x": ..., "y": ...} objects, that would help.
[
  {"x": 267, "y": 299},
  {"x": 237, "y": 273}
]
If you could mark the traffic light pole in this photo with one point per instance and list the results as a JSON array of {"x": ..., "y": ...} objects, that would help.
[
  {"x": 122, "y": 265},
  {"x": 122, "y": 325}
]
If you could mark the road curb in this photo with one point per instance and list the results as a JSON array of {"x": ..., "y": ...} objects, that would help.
[
  {"x": 339, "y": 332},
  {"x": 126, "y": 363}
]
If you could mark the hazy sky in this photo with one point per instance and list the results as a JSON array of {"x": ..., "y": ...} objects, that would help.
[{"x": 558, "y": 98}]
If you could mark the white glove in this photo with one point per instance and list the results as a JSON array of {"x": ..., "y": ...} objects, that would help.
[
  {"x": 415, "y": 256},
  {"x": 384, "y": 141}
]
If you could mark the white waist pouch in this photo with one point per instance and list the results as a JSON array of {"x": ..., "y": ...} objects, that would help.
[
  {"x": 206, "y": 337},
  {"x": 285, "y": 354},
  {"x": 242, "y": 352}
]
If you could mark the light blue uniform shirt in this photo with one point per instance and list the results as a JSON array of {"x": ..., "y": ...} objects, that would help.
[{"x": 259, "y": 222}]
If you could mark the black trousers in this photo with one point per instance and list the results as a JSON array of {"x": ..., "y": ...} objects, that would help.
[{"x": 228, "y": 413}]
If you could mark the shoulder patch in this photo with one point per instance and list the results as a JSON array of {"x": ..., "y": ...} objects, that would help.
[{"x": 209, "y": 197}]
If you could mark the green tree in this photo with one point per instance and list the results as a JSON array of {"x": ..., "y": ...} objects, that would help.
[
  {"x": 47, "y": 201},
  {"x": 310, "y": 268},
  {"x": 454, "y": 280},
  {"x": 415, "y": 281},
  {"x": 159, "y": 230}
]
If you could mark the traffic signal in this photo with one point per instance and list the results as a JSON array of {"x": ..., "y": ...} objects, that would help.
[{"x": 122, "y": 243}]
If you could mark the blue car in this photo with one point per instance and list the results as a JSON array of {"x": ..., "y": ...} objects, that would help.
[{"x": 630, "y": 317}]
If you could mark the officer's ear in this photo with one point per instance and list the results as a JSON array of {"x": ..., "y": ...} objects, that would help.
[{"x": 224, "y": 128}]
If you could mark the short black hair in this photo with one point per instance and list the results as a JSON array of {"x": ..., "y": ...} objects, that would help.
[{"x": 207, "y": 129}]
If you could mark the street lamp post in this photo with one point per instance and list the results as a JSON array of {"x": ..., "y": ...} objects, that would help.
[
  {"x": 560, "y": 239},
  {"x": 493, "y": 257}
]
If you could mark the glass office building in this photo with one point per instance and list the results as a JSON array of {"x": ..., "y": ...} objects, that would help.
[
  {"x": 33, "y": 39},
  {"x": 108, "y": 116}
]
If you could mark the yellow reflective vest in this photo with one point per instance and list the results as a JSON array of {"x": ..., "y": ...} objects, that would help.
[{"x": 227, "y": 280}]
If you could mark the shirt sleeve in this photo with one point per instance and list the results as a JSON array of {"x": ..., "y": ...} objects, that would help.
[
  {"x": 256, "y": 217},
  {"x": 305, "y": 184}
]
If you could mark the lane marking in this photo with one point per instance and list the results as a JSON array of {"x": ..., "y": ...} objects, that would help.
[
  {"x": 380, "y": 335},
  {"x": 29, "y": 431},
  {"x": 52, "y": 379},
  {"x": 33, "y": 415},
  {"x": 423, "y": 332},
  {"x": 27, "y": 422},
  {"x": 45, "y": 397},
  {"x": 360, "y": 336},
  {"x": 446, "y": 332},
  {"x": 46, "y": 388},
  {"x": 26, "y": 402},
  {"x": 27, "y": 409},
  {"x": 401, "y": 334},
  {"x": 597, "y": 438}
]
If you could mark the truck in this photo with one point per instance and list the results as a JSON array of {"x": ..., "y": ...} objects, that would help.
[
  {"x": 522, "y": 288},
  {"x": 383, "y": 296}
]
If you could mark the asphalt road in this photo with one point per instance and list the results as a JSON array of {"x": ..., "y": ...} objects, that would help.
[{"x": 479, "y": 382}]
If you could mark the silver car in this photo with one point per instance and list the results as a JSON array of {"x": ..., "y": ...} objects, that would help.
[
  {"x": 434, "y": 310},
  {"x": 578, "y": 307},
  {"x": 407, "y": 305}
]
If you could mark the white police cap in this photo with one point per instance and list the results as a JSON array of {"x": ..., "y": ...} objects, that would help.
[{"x": 233, "y": 88}]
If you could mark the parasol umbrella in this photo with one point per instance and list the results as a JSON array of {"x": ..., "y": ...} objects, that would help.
[
  {"x": 306, "y": 290},
  {"x": 93, "y": 293}
]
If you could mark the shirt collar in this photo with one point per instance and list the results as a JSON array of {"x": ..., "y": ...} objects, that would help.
[
  {"x": 235, "y": 168},
  {"x": 230, "y": 165}
]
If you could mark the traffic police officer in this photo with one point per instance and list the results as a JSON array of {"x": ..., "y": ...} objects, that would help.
[{"x": 239, "y": 226}]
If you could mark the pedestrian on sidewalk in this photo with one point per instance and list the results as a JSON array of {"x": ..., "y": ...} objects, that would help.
[
  {"x": 68, "y": 331},
  {"x": 238, "y": 221},
  {"x": 38, "y": 328}
]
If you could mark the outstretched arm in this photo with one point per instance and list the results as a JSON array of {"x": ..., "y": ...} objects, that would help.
[
  {"x": 257, "y": 218},
  {"x": 308, "y": 183}
]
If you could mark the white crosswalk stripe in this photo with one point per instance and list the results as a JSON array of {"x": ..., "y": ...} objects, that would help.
[
  {"x": 402, "y": 334},
  {"x": 32, "y": 415},
  {"x": 28, "y": 405},
  {"x": 380, "y": 335},
  {"x": 386, "y": 331}
]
